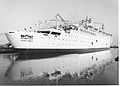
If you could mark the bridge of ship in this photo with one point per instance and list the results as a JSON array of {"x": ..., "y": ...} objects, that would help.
[{"x": 50, "y": 31}]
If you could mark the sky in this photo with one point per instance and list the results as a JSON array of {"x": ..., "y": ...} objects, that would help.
[{"x": 17, "y": 14}]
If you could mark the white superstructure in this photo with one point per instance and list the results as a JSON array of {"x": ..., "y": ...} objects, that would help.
[{"x": 83, "y": 35}]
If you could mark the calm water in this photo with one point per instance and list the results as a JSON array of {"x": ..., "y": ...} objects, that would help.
[{"x": 87, "y": 68}]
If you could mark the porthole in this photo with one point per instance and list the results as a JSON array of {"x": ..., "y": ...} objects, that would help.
[
  {"x": 92, "y": 43},
  {"x": 92, "y": 57},
  {"x": 96, "y": 59}
]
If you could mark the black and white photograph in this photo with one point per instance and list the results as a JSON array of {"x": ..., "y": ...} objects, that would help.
[{"x": 59, "y": 42}]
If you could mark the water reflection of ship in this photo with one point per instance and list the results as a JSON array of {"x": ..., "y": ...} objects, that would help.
[{"x": 80, "y": 65}]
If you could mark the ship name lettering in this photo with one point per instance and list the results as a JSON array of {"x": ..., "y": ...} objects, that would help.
[{"x": 26, "y": 37}]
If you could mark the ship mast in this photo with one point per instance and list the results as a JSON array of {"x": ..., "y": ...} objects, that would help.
[
  {"x": 57, "y": 26},
  {"x": 65, "y": 23}
]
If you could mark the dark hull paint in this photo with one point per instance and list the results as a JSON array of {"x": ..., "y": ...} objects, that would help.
[
  {"x": 42, "y": 51},
  {"x": 46, "y": 53},
  {"x": 8, "y": 50}
]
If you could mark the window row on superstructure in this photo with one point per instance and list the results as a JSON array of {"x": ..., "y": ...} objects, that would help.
[
  {"x": 73, "y": 42},
  {"x": 75, "y": 38}
]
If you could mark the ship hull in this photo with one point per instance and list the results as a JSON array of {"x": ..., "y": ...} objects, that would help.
[
  {"x": 48, "y": 53},
  {"x": 61, "y": 51}
]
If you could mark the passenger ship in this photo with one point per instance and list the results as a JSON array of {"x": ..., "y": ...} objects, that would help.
[{"x": 75, "y": 37}]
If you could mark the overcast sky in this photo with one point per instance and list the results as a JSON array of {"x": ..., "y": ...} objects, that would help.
[{"x": 16, "y": 14}]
